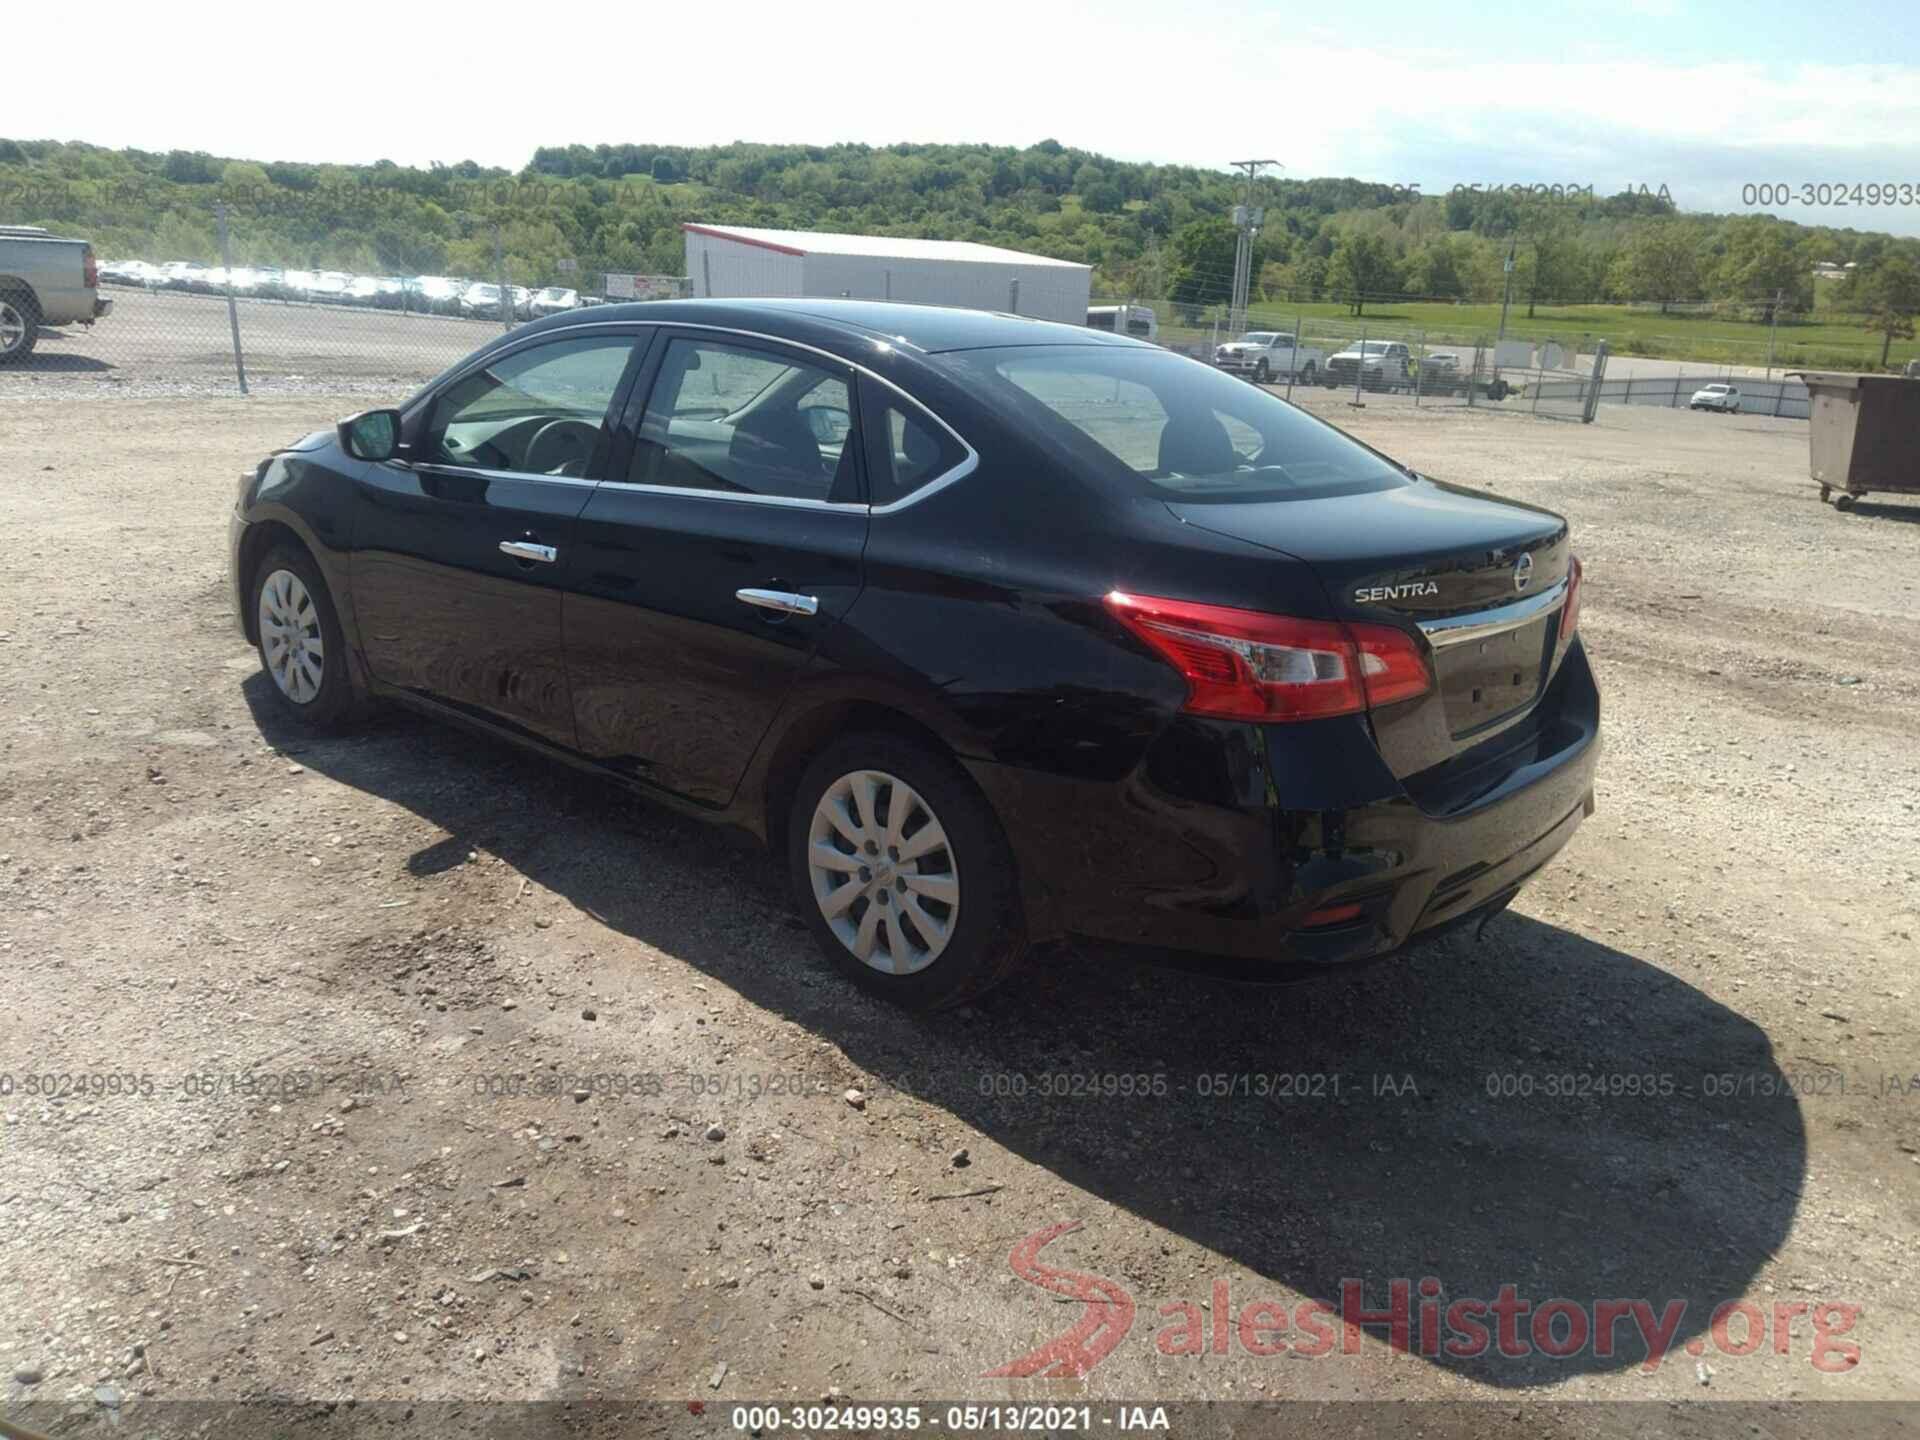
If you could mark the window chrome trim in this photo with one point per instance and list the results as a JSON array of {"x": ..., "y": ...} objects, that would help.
[
  {"x": 1482, "y": 624},
  {"x": 442, "y": 468},
  {"x": 519, "y": 343},
  {"x": 744, "y": 497},
  {"x": 965, "y": 467}
]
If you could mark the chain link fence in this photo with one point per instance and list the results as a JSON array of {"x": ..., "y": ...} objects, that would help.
[
  {"x": 243, "y": 320},
  {"x": 1387, "y": 360},
  {"x": 243, "y": 323}
]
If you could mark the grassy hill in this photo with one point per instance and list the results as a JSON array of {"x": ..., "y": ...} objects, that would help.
[{"x": 1156, "y": 233}]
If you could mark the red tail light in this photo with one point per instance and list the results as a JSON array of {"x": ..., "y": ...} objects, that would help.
[
  {"x": 89, "y": 268},
  {"x": 1243, "y": 665},
  {"x": 1570, "y": 612}
]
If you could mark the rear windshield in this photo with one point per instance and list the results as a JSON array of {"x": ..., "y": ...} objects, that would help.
[{"x": 1182, "y": 429}]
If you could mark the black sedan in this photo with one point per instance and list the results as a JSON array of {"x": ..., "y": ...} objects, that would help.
[{"x": 1000, "y": 631}]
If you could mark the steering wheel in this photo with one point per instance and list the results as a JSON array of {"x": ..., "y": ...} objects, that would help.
[{"x": 561, "y": 447}]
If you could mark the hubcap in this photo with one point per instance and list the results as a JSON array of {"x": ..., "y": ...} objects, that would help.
[
  {"x": 883, "y": 872},
  {"x": 13, "y": 327},
  {"x": 290, "y": 637}
]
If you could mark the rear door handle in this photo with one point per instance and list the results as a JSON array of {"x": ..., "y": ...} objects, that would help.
[
  {"x": 782, "y": 602},
  {"x": 527, "y": 550}
]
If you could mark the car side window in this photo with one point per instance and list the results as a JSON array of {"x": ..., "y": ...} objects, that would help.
[
  {"x": 906, "y": 448},
  {"x": 747, "y": 420},
  {"x": 539, "y": 410}
]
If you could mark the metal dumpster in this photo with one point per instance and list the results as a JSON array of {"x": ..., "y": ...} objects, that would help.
[{"x": 1863, "y": 434}]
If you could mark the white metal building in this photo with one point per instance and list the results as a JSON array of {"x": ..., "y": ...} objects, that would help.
[{"x": 736, "y": 262}]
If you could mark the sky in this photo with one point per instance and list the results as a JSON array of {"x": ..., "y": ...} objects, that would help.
[{"x": 1703, "y": 99}]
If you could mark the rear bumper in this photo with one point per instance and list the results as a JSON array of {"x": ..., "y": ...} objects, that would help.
[
  {"x": 102, "y": 307},
  {"x": 1229, "y": 838}
]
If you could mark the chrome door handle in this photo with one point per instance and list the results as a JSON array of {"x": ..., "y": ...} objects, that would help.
[
  {"x": 783, "y": 602},
  {"x": 527, "y": 550}
]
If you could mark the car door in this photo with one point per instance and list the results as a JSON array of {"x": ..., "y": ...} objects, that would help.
[
  {"x": 463, "y": 545},
  {"x": 723, "y": 544}
]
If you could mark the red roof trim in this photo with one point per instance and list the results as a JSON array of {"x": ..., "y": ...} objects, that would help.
[{"x": 737, "y": 238}]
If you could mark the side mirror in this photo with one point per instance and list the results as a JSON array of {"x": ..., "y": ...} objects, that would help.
[{"x": 371, "y": 435}]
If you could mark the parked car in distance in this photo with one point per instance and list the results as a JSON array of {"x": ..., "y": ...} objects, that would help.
[
  {"x": 996, "y": 630},
  {"x": 1264, "y": 355},
  {"x": 1139, "y": 321},
  {"x": 554, "y": 300},
  {"x": 1724, "y": 398},
  {"x": 436, "y": 294},
  {"x": 481, "y": 301},
  {"x": 1439, "y": 373},
  {"x": 1378, "y": 365},
  {"x": 130, "y": 272},
  {"x": 45, "y": 279},
  {"x": 329, "y": 287}
]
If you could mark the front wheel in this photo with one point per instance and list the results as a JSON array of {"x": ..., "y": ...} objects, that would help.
[
  {"x": 302, "y": 647},
  {"x": 1262, "y": 373},
  {"x": 903, "y": 874}
]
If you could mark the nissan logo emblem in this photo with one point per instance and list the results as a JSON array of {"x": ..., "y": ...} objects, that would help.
[{"x": 1523, "y": 572}]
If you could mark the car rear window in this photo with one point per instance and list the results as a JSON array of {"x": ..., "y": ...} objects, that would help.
[{"x": 1183, "y": 430}]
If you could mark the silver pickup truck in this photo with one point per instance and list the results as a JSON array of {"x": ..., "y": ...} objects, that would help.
[{"x": 45, "y": 279}]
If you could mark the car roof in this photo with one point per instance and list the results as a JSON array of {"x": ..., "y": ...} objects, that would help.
[{"x": 927, "y": 328}]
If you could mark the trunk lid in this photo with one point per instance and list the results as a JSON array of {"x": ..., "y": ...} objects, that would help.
[{"x": 1477, "y": 576}]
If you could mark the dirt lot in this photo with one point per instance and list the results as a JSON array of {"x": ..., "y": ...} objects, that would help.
[{"x": 428, "y": 1038}]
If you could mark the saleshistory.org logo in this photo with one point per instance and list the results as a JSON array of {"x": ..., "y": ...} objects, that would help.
[{"x": 1431, "y": 1325}]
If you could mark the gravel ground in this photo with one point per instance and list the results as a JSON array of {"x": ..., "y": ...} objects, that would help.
[{"x": 460, "y": 1077}]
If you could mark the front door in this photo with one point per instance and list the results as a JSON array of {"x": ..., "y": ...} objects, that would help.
[
  {"x": 464, "y": 546},
  {"x": 723, "y": 545}
]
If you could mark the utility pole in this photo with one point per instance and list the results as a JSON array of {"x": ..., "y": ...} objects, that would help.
[
  {"x": 1507, "y": 298},
  {"x": 1773, "y": 322},
  {"x": 1246, "y": 222}
]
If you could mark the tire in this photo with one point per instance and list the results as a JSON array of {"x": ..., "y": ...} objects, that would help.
[
  {"x": 1262, "y": 373},
  {"x": 19, "y": 326},
  {"x": 948, "y": 957},
  {"x": 291, "y": 606},
  {"x": 1309, "y": 376}
]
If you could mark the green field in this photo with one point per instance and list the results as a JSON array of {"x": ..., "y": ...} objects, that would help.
[{"x": 1832, "y": 345}]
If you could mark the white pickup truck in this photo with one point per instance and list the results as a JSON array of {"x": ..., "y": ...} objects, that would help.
[
  {"x": 44, "y": 280},
  {"x": 1378, "y": 364},
  {"x": 1265, "y": 355}
]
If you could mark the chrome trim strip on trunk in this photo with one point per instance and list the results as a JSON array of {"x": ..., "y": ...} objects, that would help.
[{"x": 1479, "y": 624}]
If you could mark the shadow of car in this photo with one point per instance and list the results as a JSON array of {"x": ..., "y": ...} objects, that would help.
[{"x": 1414, "y": 1154}]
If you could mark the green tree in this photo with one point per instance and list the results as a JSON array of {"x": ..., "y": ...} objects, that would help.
[
  {"x": 1762, "y": 261},
  {"x": 1203, "y": 253},
  {"x": 1659, "y": 263},
  {"x": 1554, "y": 253},
  {"x": 1362, "y": 265},
  {"x": 1891, "y": 291}
]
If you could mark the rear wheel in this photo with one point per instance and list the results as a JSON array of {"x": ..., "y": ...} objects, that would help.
[
  {"x": 1309, "y": 375},
  {"x": 19, "y": 325},
  {"x": 903, "y": 874}
]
